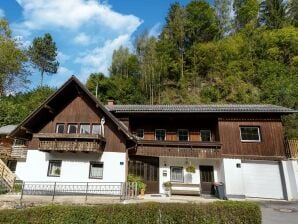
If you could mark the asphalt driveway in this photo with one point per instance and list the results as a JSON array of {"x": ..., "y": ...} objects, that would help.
[{"x": 279, "y": 212}]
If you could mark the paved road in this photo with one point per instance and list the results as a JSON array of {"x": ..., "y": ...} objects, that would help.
[{"x": 279, "y": 212}]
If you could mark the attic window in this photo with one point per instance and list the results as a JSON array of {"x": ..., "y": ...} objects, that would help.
[
  {"x": 59, "y": 128},
  {"x": 72, "y": 128}
]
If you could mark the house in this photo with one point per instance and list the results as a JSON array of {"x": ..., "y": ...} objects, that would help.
[{"x": 72, "y": 137}]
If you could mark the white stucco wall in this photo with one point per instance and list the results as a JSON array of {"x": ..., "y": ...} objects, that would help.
[
  {"x": 74, "y": 168},
  {"x": 165, "y": 164},
  {"x": 233, "y": 177},
  {"x": 290, "y": 171}
]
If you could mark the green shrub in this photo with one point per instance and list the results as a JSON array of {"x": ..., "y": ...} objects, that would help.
[
  {"x": 137, "y": 179},
  {"x": 218, "y": 212}
]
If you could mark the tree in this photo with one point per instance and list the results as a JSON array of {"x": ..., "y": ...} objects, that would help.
[
  {"x": 13, "y": 72},
  {"x": 293, "y": 12},
  {"x": 223, "y": 12},
  {"x": 273, "y": 13},
  {"x": 43, "y": 53},
  {"x": 202, "y": 23},
  {"x": 246, "y": 11}
]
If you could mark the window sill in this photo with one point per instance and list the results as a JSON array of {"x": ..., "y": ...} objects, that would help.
[{"x": 251, "y": 141}]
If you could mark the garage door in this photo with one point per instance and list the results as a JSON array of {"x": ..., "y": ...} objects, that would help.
[{"x": 262, "y": 180}]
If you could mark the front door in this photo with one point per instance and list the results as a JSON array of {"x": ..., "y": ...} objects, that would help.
[
  {"x": 207, "y": 179},
  {"x": 147, "y": 168}
]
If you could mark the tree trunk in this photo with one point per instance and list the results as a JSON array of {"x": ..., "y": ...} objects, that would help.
[{"x": 41, "y": 80}]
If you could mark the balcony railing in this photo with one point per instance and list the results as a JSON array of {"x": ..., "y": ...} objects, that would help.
[
  {"x": 72, "y": 146},
  {"x": 19, "y": 152},
  {"x": 293, "y": 146},
  {"x": 193, "y": 149}
]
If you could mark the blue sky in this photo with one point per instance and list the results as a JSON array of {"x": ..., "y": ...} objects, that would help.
[{"x": 86, "y": 32}]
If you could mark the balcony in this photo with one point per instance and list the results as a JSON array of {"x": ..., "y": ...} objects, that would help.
[
  {"x": 195, "y": 149},
  {"x": 19, "y": 152},
  {"x": 293, "y": 146},
  {"x": 70, "y": 142}
]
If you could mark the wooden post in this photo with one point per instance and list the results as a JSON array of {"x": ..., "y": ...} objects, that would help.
[
  {"x": 54, "y": 192},
  {"x": 22, "y": 192},
  {"x": 86, "y": 192}
]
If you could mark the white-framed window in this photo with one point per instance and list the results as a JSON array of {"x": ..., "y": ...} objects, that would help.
[
  {"x": 54, "y": 169},
  {"x": 72, "y": 128},
  {"x": 182, "y": 135},
  {"x": 96, "y": 170},
  {"x": 85, "y": 128},
  {"x": 60, "y": 128},
  {"x": 176, "y": 174},
  {"x": 140, "y": 133},
  {"x": 205, "y": 135},
  {"x": 250, "y": 134},
  {"x": 160, "y": 134},
  {"x": 96, "y": 129}
]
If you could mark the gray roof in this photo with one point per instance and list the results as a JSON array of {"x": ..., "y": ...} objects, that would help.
[
  {"x": 5, "y": 130},
  {"x": 201, "y": 108}
]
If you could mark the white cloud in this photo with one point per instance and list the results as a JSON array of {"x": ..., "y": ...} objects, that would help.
[
  {"x": 72, "y": 14},
  {"x": 82, "y": 38},
  {"x": 88, "y": 30},
  {"x": 62, "y": 75},
  {"x": 155, "y": 30},
  {"x": 2, "y": 13},
  {"x": 99, "y": 59}
]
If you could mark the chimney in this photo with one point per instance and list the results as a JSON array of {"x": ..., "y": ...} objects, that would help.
[{"x": 110, "y": 102}]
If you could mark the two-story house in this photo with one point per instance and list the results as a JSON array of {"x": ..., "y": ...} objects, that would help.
[{"x": 74, "y": 137}]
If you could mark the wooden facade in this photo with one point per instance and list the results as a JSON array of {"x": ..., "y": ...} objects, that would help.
[
  {"x": 74, "y": 104},
  {"x": 271, "y": 144}
]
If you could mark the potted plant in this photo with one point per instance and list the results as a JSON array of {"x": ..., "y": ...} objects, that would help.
[
  {"x": 167, "y": 185},
  {"x": 190, "y": 169},
  {"x": 57, "y": 172},
  {"x": 141, "y": 186}
]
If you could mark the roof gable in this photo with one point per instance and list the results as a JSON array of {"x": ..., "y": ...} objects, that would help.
[{"x": 70, "y": 89}]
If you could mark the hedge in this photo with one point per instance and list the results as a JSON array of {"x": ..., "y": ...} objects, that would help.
[{"x": 217, "y": 212}]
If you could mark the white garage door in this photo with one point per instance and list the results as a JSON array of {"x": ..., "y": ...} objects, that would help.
[{"x": 262, "y": 180}]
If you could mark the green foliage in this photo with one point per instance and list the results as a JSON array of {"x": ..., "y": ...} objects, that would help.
[
  {"x": 273, "y": 13},
  {"x": 218, "y": 212},
  {"x": 14, "y": 109},
  {"x": 43, "y": 53},
  {"x": 190, "y": 169},
  {"x": 293, "y": 12},
  {"x": 13, "y": 72},
  {"x": 137, "y": 179},
  {"x": 246, "y": 12}
]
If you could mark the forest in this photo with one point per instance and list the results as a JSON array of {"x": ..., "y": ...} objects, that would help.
[{"x": 241, "y": 51}]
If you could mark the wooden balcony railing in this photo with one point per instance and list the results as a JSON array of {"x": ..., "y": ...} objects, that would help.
[
  {"x": 293, "y": 146},
  {"x": 19, "y": 152},
  {"x": 193, "y": 149},
  {"x": 6, "y": 174},
  {"x": 71, "y": 146}
]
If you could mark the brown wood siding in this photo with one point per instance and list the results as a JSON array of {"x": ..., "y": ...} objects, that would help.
[
  {"x": 171, "y": 123},
  {"x": 80, "y": 110},
  {"x": 271, "y": 144}
]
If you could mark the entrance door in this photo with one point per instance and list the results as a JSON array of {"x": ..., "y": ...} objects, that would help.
[
  {"x": 147, "y": 168},
  {"x": 207, "y": 179}
]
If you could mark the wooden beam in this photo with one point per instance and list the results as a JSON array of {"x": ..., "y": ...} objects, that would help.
[
  {"x": 28, "y": 131},
  {"x": 49, "y": 108}
]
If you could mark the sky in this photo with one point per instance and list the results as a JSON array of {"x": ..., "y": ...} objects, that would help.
[{"x": 86, "y": 32}]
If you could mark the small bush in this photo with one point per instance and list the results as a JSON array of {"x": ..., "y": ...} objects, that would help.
[{"x": 218, "y": 212}]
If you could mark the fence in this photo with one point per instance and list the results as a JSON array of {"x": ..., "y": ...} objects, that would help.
[
  {"x": 123, "y": 190},
  {"x": 293, "y": 145}
]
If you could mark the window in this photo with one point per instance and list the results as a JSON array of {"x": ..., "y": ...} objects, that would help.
[
  {"x": 54, "y": 169},
  {"x": 160, "y": 134},
  {"x": 96, "y": 129},
  {"x": 72, "y": 128},
  {"x": 59, "y": 128},
  {"x": 182, "y": 135},
  {"x": 96, "y": 170},
  {"x": 140, "y": 133},
  {"x": 205, "y": 135},
  {"x": 177, "y": 173},
  {"x": 85, "y": 128},
  {"x": 250, "y": 134},
  {"x": 19, "y": 142}
]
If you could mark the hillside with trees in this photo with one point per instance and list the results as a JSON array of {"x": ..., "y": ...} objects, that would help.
[{"x": 237, "y": 51}]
